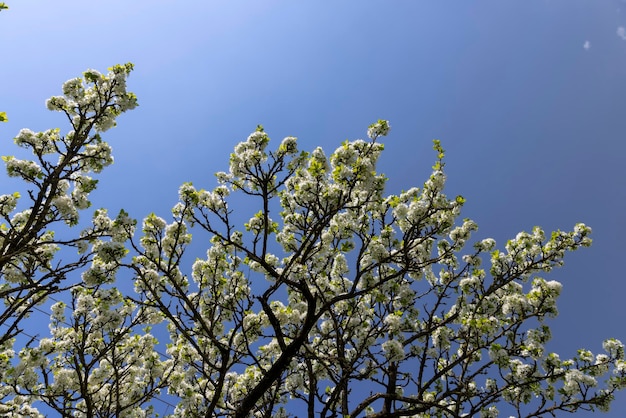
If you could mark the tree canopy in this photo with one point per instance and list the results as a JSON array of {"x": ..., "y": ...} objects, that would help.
[{"x": 329, "y": 298}]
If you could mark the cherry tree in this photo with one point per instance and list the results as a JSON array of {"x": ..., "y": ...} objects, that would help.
[{"x": 330, "y": 298}]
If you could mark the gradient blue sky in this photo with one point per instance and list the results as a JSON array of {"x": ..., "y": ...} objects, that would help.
[{"x": 527, "y": 97}]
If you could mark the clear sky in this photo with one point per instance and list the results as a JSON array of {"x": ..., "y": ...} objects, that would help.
[{"x": 527, "y": 97}]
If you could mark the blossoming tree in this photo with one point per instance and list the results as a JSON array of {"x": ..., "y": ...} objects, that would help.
[{"x": 333, "y": 299}]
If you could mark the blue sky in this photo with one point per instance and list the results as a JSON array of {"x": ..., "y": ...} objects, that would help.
[{"x": 528, "y": 99}]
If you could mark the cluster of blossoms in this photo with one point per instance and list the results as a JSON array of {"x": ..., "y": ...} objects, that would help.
[{"x": 343, "y": 286}]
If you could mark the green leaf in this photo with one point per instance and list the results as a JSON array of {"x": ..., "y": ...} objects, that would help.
[{"x": 3, "y": 115}]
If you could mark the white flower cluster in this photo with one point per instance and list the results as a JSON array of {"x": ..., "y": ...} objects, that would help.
[
  {"x": 101, "y": 97},
  {"x": 26, "y": 169},
  {"x": 380, "y": 128},
  {"x": 576, "y": 381},
  {"x": 8, "y": 202},
  {"x": 42, "y": 143}
]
